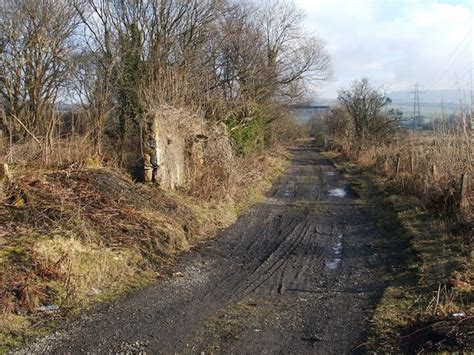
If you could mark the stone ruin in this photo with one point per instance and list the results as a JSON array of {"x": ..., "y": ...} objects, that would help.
[{"x": 173, "y": 147}]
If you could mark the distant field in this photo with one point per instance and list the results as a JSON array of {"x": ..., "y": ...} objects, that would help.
[
  {"x": 433, "y": 104},
  {"x": 429, "y": 111}
]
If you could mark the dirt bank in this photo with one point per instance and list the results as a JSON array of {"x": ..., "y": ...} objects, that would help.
[{"x": 72, "y": 237}]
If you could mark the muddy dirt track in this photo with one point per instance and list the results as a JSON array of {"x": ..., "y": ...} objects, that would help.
[{"x": 299, "y": 273}]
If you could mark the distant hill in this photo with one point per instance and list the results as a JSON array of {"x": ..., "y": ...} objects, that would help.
[
  {"x": 432, "y": 102},
  {"x": 431, "y": 96}
]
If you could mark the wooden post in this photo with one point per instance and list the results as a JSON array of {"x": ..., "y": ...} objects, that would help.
[
  {"x": 463, "y": 201},
  {"x": 3, "y": 118},
  {"x": 5, "y": 178},
  {"x": 326, "y": 143},
  {"x": 434, "y": 171},
  {"x": 397, "y": 169}
]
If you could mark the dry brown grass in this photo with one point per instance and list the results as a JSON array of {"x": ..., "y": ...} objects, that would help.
[
  {"x": 74, "y": 149},
  {"x": 215, "y": 173},
  {"x": 71, "y": 237},
  {"x": 419, "y": 178},
  {"x": 73, "y": 231},
  {"x": 76, "y": 235},
  {"x": 434, "y": 275},
  {"x": 429, "y": 166}
]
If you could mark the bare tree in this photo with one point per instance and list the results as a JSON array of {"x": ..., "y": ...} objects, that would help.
[
  {"x": 263, "y": 58},
  {"x": 293, "y": 55},
  {"x": 232, "y": 61},
  {"x": 367, "y": 109},
  {"x": 153, "y": 46},
  {"x": 37, "y": 44}
]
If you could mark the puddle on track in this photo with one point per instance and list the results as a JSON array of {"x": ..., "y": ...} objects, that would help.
[
  {"x": 330, "y": 173},
  {"x": 333, "y": 263},
  {"x": 290, "y": 189},
  {"x": 337, "y": 192}
]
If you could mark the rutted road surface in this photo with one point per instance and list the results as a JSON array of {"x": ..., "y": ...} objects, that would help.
[{"x": 299, "y": 273}]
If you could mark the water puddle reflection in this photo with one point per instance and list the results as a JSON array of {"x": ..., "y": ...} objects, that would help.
[
  {"x": 333, "y": 264},
  {"x": 330, "y": 173},
  {"x": 337, "y": 192},
  {"x": 335, "y": 261}
]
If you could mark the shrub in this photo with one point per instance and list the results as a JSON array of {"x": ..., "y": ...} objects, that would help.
[{"x": 247, "y": 133}]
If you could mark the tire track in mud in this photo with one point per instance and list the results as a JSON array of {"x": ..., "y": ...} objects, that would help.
[
  {"x": 296, "y": 274},
  {"x": 277, "y": 259}
]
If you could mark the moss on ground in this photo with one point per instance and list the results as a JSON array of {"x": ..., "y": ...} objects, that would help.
[{"x": 233, "y": 323}]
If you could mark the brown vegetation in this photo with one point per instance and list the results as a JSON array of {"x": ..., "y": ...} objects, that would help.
[
  {"x": 427, "y": 179},
  {"x": 429, "y": 165},
  {"x": 113, "y": 62},
  {"x": 77, "y": 235}
]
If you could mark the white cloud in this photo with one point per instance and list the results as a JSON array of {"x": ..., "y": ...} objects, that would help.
[{"x": 395, "y": 43}]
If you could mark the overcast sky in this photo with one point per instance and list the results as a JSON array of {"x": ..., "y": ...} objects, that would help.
[{"x": 395, "y": 42}]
